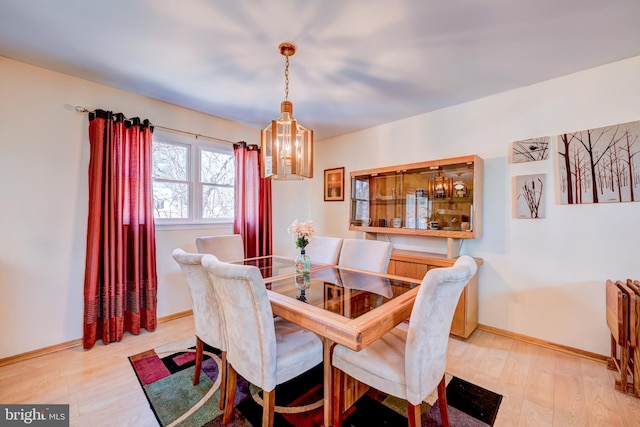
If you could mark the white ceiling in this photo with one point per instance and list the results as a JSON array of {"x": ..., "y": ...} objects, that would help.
[{"x": 359, "y": 63}]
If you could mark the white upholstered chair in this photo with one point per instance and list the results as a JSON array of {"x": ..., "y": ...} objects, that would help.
[
  {"x": 227, "y": 247},
  {"x": 266, "y": 351},
  {"x": 370, "y": 255},
  {"x": 207, "y": 316},
  {"x": 409, "y": 362},
  {"x": 324, "y": 249}
]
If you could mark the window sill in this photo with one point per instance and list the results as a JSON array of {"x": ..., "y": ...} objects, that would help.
[{"x": 193, "y": 225}]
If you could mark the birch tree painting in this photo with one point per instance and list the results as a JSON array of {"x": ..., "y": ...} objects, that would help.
[
  {"x": 600, "y": 165},
  {"x": 530, "y": 150},
  {"x": 529, "y": 196}
]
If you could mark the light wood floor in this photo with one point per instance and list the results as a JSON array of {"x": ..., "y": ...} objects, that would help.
[{"x": 541, "y": 387}]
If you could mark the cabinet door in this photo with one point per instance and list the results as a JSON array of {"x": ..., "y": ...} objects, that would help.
[
  {"x": 466, "y": 313},
  {"x": 459, "y": 322},
  {"x": 408, "y": 269}
]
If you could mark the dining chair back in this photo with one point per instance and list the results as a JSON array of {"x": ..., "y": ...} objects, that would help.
[
  {"x": 263, "y": 350},
  {"x": 324, "y": 249},
  {"x": 409, "y": 362},
  {"x": 226, "y": 247},
  {"x": 363, "y": 254},
  {"x": 207, "y": 315}
]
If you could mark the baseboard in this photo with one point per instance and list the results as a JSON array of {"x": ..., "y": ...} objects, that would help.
[
  {"x": 39, "y": 352},
  {"x": 75, "y": 343},
  {"x": 566, "y": 349},
  {"x": 543, "y": 343},
  {"x": 175, "y": 316}
]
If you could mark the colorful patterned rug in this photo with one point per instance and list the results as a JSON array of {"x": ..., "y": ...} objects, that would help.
[{"x": 166, "y": 376}]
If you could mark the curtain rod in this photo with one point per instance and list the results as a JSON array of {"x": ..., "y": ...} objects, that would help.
[{"x": 81, "y": 109}]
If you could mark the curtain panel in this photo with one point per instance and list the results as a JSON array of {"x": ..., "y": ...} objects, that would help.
[
  {"x": 252, "y": 216},
  {"x": 120, "y": 285}
]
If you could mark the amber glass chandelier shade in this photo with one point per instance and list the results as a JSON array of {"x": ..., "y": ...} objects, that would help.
[{"x": 286, "y": 146}]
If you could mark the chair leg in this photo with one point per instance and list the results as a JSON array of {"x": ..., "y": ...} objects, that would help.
[
  {"x": 442, "y": 398},
  {"x": 338, "y": 396},
  {"x": 268, "y": 407},
  {"x": 199, "y": 350},
  {"x": 414, "y": 415},
  {"x": 230, "y": 394},
  {"x": 224, "y": 368}
]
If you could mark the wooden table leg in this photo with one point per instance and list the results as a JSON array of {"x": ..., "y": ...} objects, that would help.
[{"x": 327, "y": 349}]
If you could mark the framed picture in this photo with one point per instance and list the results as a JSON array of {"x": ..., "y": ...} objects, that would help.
[
  {"x": 529, "y": 196},
  {"x": 599, "y": 165},
  {"x": 334, "y": 185},
  {"x": 530, "y": 150}
]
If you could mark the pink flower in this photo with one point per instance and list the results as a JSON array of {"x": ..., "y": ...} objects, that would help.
[{"x": 301, "y": 232}]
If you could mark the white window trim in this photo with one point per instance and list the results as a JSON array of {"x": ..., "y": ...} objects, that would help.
[{"x": 195, "y": 186}]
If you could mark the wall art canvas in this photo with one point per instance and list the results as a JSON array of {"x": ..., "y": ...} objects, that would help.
[
  {"x": 529, "y": 196},
  {"x": 334, "y": 185},
  {"x": 600, "y": 165},
  {"x": 530, "y": 150}
]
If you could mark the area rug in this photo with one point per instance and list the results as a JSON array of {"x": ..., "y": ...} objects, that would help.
[{"x": 166, "y": 376}]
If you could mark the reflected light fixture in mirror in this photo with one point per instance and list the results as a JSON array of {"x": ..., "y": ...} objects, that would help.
[
  {"x": 441, "y": 188},
  {"x": 286, "y": 145}
]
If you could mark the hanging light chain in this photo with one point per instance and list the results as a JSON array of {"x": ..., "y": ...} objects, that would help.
[
  {"x": 286, "y": 78},
  {"x": 287, "y": 50}
]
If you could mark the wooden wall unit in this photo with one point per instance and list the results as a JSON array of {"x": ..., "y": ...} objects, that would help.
[
  {"x": 436, "y": 198},
  {"x": 416, "y": 264},
  {"x": 439, "y": 198}
]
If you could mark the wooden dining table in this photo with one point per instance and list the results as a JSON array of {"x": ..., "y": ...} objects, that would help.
[{"x": 341, "y": 305}]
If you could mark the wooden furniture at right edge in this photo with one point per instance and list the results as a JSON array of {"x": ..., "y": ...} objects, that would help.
[{"x": 416, "y": 264}]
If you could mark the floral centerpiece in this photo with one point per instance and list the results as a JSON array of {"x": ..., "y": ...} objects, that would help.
[{"x": 301, "y": 233}]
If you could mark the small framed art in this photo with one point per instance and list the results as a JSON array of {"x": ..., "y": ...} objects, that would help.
[
  {"x": 529, "y": 196},
  {"x": 334, "y": 185},
  {"x": 530, "y": 150}
]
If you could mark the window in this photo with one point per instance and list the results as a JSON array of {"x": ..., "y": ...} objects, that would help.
[
  {"x": 193, "y": 180},
  {"x": 216, "y": 179}
]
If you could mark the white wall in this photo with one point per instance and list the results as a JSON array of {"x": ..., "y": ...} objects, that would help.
[
  {"x": 44, "y": 158},
  {"x": 541, "y": 278},
  {"x": 291, "y": 200}
]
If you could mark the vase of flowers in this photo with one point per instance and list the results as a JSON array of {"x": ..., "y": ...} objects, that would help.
[{"x": 301, "y": 233}]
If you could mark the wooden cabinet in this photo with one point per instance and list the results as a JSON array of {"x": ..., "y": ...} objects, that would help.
[
  {"x": 436, "y": 198},
  {"x": 416, "y": 264},
  {"x": 440, "y": 198}
]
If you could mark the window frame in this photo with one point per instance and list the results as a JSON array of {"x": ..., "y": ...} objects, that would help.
[{"x": 194, "y": 146}]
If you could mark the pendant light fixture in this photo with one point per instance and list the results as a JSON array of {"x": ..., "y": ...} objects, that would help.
[{"x": 286, "y": 145}]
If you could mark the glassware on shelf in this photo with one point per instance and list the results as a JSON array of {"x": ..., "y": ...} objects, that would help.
[{"x": 460, "y": 188}]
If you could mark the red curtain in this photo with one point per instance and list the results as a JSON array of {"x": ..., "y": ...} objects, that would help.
[
  {"x": 120, "y": 283},
  {"x": 252, "y": 218}
]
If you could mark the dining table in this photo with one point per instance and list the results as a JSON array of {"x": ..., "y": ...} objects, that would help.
[{"x": 341, "y": 305}]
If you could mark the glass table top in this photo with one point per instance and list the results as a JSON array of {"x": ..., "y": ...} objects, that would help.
[
  {"x": 345, "y": 292},
  {"x": 275, "y": 266}
]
